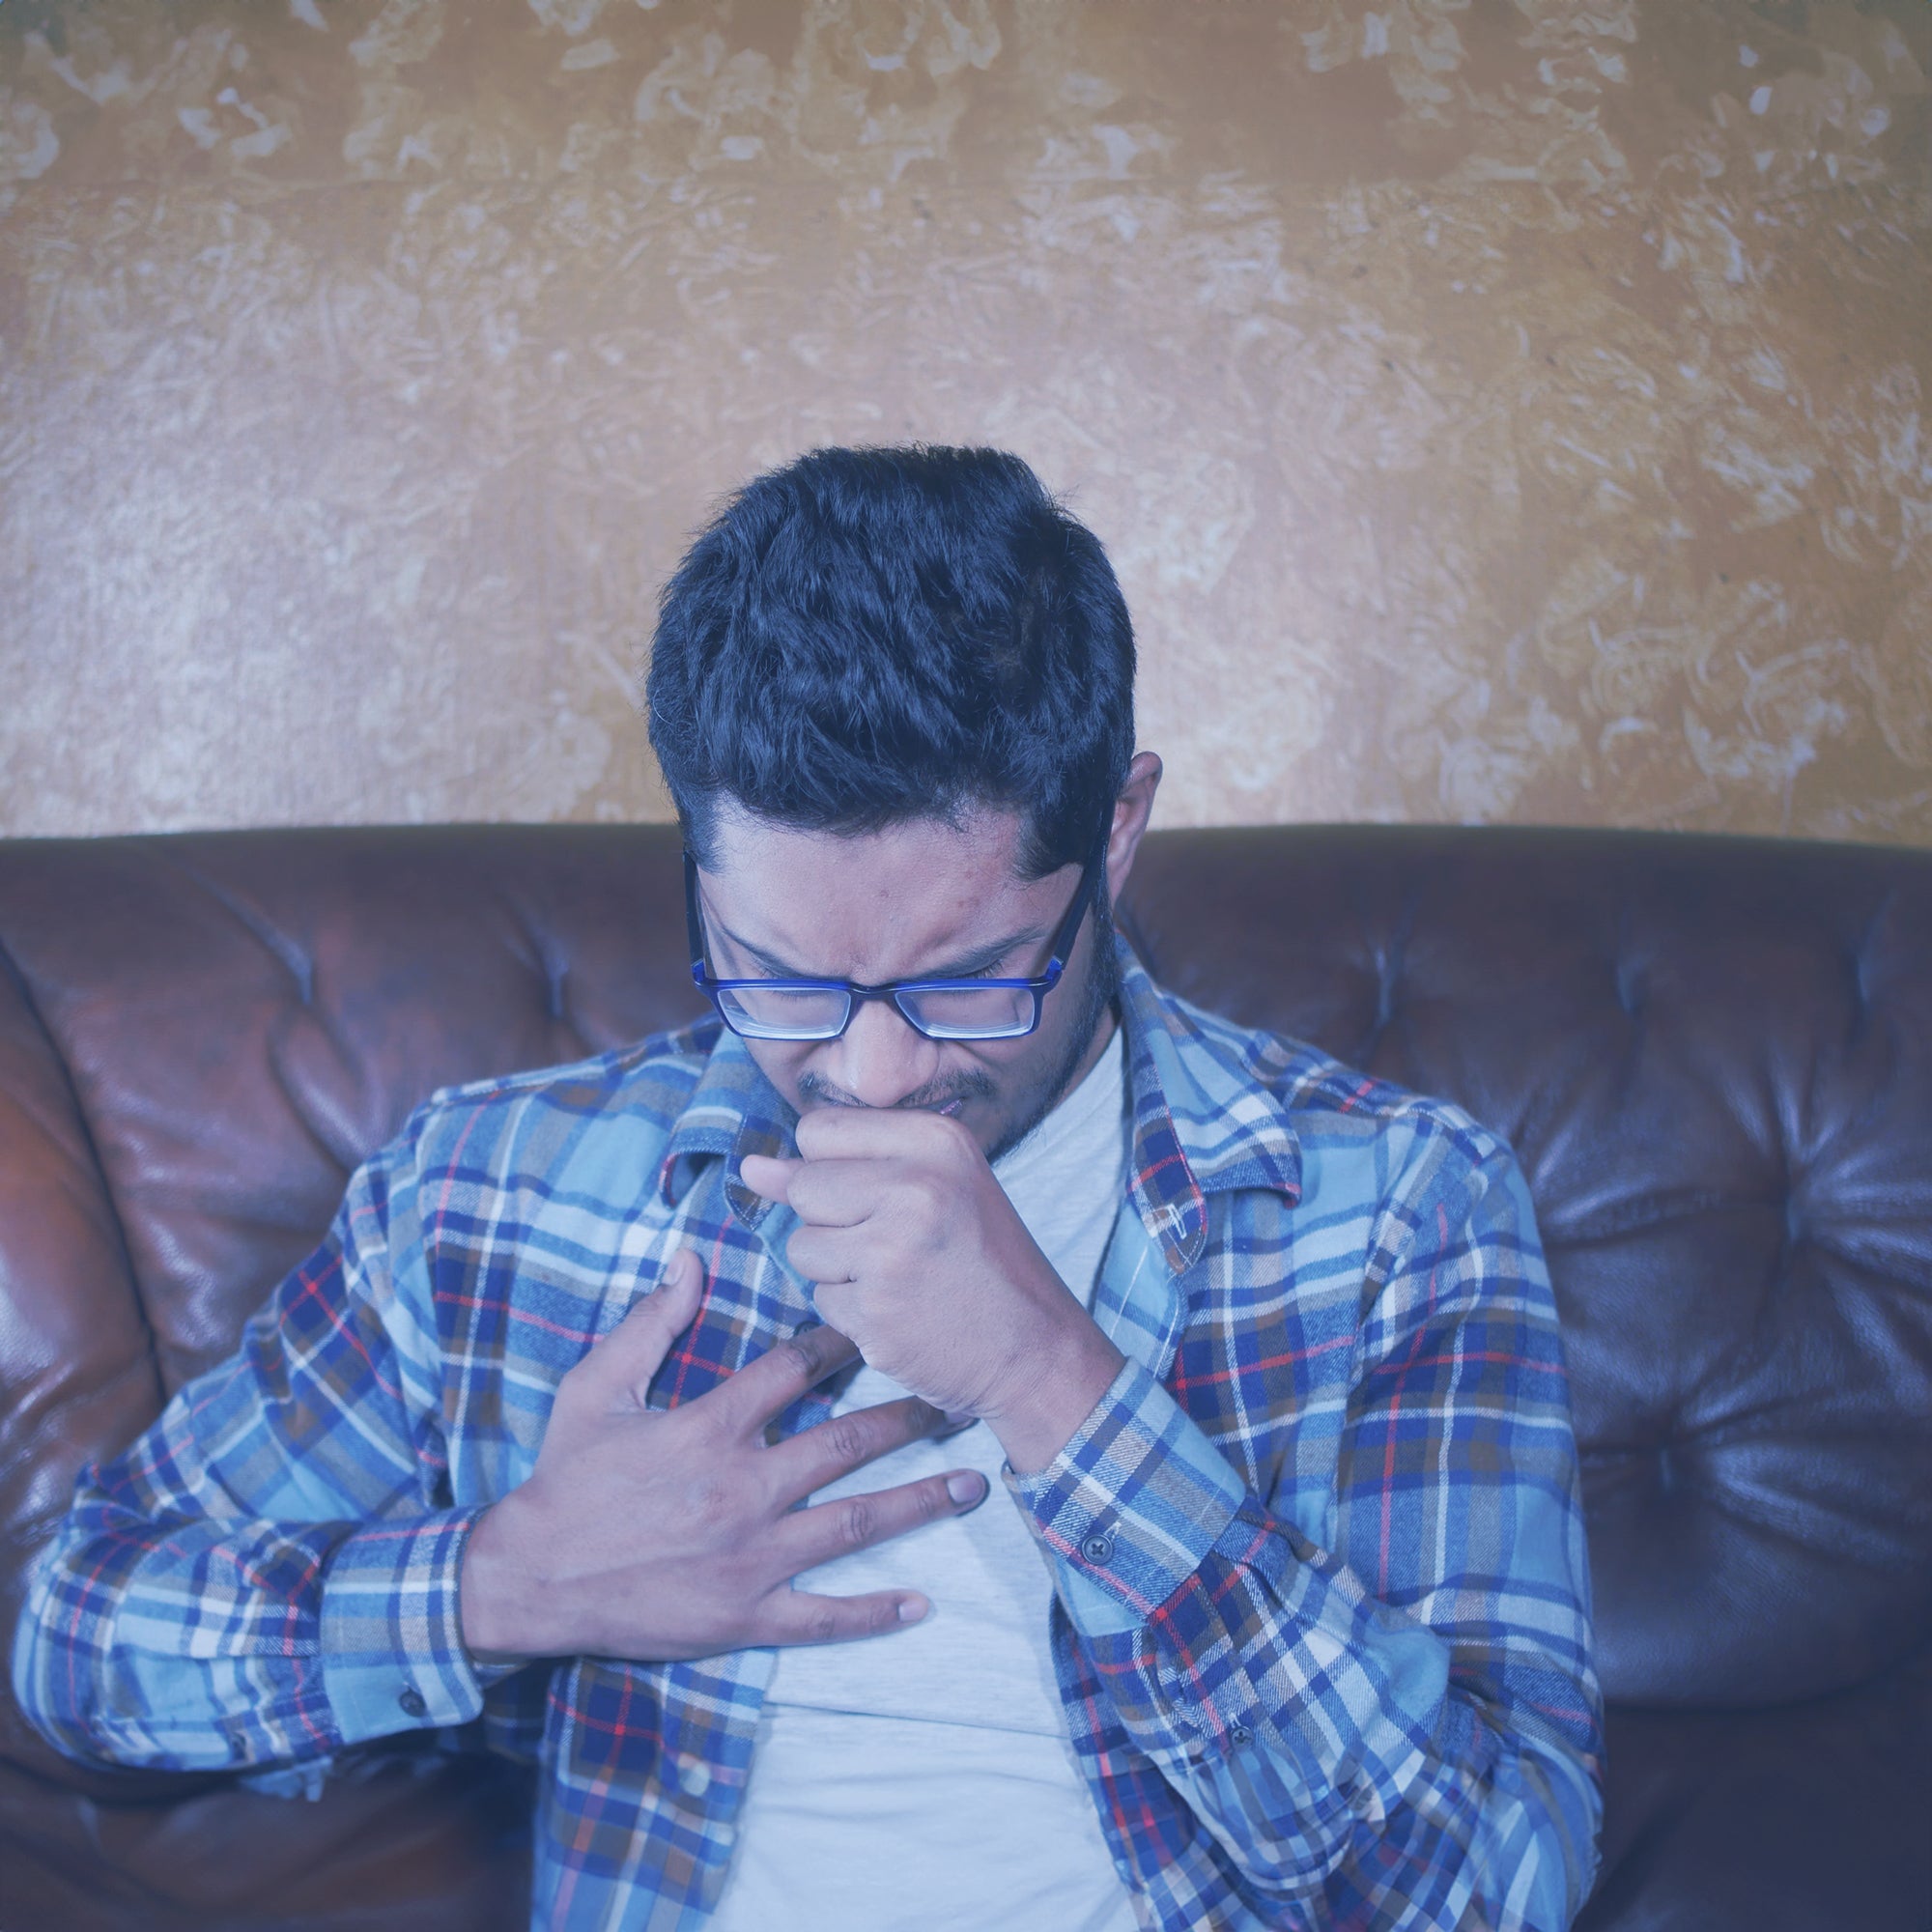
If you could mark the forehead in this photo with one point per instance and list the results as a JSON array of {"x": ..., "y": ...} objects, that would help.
[{"x": 870, "y": 905}]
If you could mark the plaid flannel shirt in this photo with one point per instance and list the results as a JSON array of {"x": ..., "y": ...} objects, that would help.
[{"x": 1321, "y": 1617}]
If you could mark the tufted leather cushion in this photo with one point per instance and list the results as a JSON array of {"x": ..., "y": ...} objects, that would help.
[{"x": 1713, "y": 1058}]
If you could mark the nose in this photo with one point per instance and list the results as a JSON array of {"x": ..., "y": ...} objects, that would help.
[{"x": 879, "y": 1060}]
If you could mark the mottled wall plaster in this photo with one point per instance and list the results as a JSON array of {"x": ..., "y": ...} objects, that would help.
[{"x": 1496, "y": 409}]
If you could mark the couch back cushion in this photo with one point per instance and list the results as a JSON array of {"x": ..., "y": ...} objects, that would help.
[{"x": 1713, "y": 1058}]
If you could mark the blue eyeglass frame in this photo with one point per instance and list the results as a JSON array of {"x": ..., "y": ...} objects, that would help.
[{"x": 856, "y": 994}]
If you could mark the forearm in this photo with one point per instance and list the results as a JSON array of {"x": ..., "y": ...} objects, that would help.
[
  {"x": 263, "y": 1572},
  {"x": 184, "y": 1644},
  {"x": 1489, "y": 1834},
  {"x": 1326, "y": 1739},
  {"x": 1315, "y": 1730},
  {"x": 108, "y": 1669}
]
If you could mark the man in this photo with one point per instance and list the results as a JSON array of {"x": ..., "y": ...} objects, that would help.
[{"x": 969, "y": 1441}]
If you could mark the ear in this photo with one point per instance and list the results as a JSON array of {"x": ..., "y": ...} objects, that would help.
[{"x": 1132, "y": 809}]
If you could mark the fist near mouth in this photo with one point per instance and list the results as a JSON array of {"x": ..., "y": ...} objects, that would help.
[{"x": 918, "y": 1257}]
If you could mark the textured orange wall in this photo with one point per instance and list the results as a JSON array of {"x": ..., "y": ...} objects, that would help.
[{"x": 1496, "y": 409}]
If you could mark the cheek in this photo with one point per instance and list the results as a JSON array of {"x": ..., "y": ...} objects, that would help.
[
  {"x": 781, "y": 1061},
  {"x": 1014, "y": 1076}
]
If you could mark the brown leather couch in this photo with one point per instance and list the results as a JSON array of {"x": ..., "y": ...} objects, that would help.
[{"x": 1713, "y": 1056}]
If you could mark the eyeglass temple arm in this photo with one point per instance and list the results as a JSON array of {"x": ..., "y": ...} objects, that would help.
[{"x": 694, "y": 923}]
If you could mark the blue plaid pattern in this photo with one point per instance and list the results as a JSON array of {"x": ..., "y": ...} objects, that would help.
[{"x": 1322, "y": 1606}]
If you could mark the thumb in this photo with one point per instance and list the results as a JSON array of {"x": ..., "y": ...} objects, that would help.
[{"x": 634, "y": 1350}]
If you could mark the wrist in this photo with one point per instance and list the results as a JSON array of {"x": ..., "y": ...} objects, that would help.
[
  {"x": 1062, "y": 1382},
  {"x": 493, "y": 1593}
]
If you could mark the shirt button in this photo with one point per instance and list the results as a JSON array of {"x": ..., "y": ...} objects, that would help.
[
  {"x": 693, "y": 1779},
  {"x": 412, "y": 1701},
  {"x": 1240, "y": 1734},
  {"x": 1098, "y": 1547}
]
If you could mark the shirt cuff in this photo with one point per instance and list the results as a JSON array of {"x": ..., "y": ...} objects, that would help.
[
  {"x": 1132, "y": 1506},
  {"x": 393, "y": 1658}
]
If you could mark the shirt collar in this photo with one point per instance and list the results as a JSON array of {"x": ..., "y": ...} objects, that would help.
[
  {"x": 1206, "y": 1119},
  {"x": 1206, "y": 1116},
  {"x": 732, "y": 1111}
]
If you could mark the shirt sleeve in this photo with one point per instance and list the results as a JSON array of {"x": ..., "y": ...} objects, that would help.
[
  {"x": 1419, "y": 1752},
  {"x": 270, "y": 1572}
]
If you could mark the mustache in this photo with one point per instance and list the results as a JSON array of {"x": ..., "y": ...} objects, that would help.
[{"x": 961, "y": 1086}]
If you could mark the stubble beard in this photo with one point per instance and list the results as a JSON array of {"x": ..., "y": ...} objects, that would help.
[{"x": 1103, "y": 984}]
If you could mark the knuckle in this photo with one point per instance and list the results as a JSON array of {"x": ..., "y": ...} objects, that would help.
[
  {"x": 697, "y": 1421},
  {"x": 848, "y": 1438},
  {"x": 828, "y": 1348},
  {"x": 645, "y": 1322},
  {"x": 860, "y": 1522},
  {"x": 801, "y": 1247},
  {"x": 821, "y": 1625},
  {"x": 800, "y": 1356}
]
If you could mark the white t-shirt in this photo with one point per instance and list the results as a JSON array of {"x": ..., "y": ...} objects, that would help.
[{"x": 923, "y": 1781}]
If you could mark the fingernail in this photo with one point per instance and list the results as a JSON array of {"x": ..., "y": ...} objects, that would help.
[
  {"x": 954, "y": 1420},
  {"x": 912, "y": 1609},
  {"x": 965, "y": 1488}
]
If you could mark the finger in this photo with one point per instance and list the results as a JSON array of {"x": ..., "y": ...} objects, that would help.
[
  {"x": 797, "y": 1616},
  {"x": 826, "y": 1254},
  {"x": 833, "y": 1133},
  {"x": 776, "y": 1380},
  {"x": 634, "y": 1350},
  {"x": 841, "y": 1193},
  {"x": 809, "y": 1537},
  {"x": 827, "y": 1450},
  {"x": 766, "y": 1175}
]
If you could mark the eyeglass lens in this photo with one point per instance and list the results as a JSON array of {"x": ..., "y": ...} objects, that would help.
[{"x": 792, "y": 1012}]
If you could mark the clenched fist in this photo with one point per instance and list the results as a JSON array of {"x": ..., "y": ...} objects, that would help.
[{"x": 922, "y": 1259}]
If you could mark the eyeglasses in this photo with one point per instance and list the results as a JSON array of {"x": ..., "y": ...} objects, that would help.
[{"x": 968, "y": 1009}]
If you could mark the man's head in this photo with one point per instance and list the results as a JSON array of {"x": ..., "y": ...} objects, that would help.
[{"x": 892, "y": 695}]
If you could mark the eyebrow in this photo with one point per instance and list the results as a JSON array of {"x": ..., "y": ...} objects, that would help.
[{"x": 964, "y": 967}]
